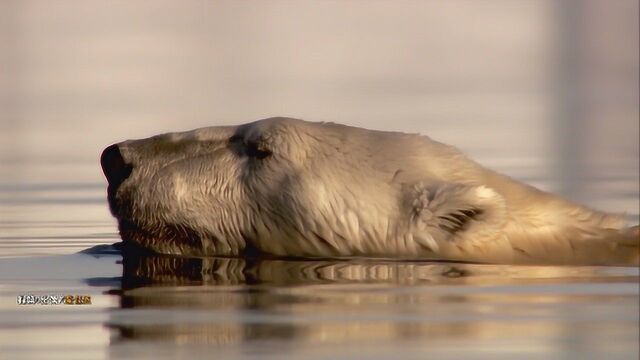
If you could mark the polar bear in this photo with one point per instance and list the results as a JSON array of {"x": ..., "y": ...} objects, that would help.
[{"x": 288, "y": 187}]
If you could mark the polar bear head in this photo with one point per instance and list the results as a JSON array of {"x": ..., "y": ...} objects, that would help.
[{"x": 279, "y": 185}]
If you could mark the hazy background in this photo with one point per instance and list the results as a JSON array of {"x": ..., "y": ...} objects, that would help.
[{"x": 546, "y": 91}]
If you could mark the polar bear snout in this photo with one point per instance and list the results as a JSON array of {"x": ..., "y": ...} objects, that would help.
[{"x": 115, "y": 169}]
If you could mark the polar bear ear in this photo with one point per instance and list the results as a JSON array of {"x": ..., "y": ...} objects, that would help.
[{"x": 446, "y": 212}]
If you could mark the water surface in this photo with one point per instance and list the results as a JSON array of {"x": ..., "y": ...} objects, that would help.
[
  {"x": 253, "y": 308},
  {"x": 544, "y": 91}
]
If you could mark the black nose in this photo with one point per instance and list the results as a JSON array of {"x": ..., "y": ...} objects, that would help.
[{"x": 114, "y": 167}]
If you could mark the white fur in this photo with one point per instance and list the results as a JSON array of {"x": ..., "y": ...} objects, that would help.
[{"x": 329, "y": 190}]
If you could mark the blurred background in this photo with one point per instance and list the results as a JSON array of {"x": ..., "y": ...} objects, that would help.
[
  {"x": 546, "y": 91},
  {"x": 543, "y": 90}
]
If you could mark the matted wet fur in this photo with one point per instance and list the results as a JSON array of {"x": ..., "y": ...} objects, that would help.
[{"x": 288, "y": 187}]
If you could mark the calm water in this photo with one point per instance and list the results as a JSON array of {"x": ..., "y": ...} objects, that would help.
[
  {"x": 301, "y": 309},
  {"x": 518, "y": 85}
]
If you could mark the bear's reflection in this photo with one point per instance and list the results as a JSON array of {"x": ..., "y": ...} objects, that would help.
[
  {"x": 246, "y": 302},
  {"x": 267, "y": 300},
  {"x": 166, "y": 270}
]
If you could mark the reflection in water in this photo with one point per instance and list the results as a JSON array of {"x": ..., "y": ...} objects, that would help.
[
  {"x": 141, "y": 270},
  {"x": 283, "y": 307},
  {"x": 166, "y": 270},
  {"x": 77, "y": 76}
]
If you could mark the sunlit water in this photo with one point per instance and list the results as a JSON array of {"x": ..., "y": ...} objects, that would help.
[
  {"x": 232, "y": 308},
  {"x": 76, "y": 76}
]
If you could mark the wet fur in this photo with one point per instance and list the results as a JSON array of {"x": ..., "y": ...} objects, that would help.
[{"x": 294, "y": 188}]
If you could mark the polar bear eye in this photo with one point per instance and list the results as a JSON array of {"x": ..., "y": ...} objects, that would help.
[
  {"x": 257, "y": 150},
  {"x": 252, "y": 149}
]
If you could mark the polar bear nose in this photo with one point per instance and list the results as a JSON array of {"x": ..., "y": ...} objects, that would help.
[{"x": 115, "y": 168}]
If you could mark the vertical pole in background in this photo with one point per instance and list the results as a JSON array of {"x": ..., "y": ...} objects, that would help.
[{"x": 569, "y": 132}]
